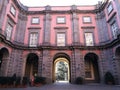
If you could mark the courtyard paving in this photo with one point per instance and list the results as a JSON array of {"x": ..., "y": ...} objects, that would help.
[{"x": 67, "y": 86}]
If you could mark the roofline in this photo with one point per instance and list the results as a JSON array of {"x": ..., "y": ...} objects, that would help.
[{"x": 24, "y": 9}]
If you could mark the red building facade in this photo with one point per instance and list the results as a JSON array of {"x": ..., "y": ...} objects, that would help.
[{"x": 60, "y": 43}]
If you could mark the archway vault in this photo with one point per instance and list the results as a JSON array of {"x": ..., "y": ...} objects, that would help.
[
  {"x": 31, "y": 67},
  {"x": 91, "y": 68},
  {"x": 4, "y": 58},
  {"x": 61, "y": 68}
]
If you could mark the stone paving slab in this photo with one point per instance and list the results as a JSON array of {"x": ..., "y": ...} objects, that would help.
[{"x": 68, "y": 87}]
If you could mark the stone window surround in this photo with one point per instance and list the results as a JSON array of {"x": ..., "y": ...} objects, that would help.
[
  {"x": 85, "y": 21},
  {"x": 110, "y": 4},
  {"x": 91, "y": 72},
  {"x": 111, "y": 21},
  {"x": 11, "y": 23},
  {"x": 112, "y": 30},
  {"x": 60, "y": 31},
  {"x": 57, "y": 22},
  {"x": 35, "y": 18},
  {"x": 13, "y": 13},
  {"x": 33, "y": 30},
  {"x": 88, "y": 30}
]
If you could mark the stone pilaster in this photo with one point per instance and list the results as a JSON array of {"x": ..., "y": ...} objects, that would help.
[
  {"x": 46, "y": 66},
  {"x": 82, "y": 65},
  {"x": 3, "y": 6},
  {"x": 73, "y": 67},
  {"x": 117, "y": 3},
  {"x": 103, "y": 66},
  {"x": 75, "y": 26},
  {"x": 116, "y": 69},
  {"x": 20, "y": 28},
  {"x": 19, "y": 62},
  {"x": 4, "y": 66},
  {"x": 79, "y": 63},
  {"x": 40, "y": 65},
  {"x": 15, "y": 63},
  {"x": 11, "y": 64},
  {"x": 102, "y": 27},
  {"x": 47, "y": 26}
]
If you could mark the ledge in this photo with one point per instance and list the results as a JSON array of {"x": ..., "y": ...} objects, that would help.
[
  {"x": 34, "y": 27},
  {"x": 60, "y": 27},
  {"x": 25, "y": 10},
  {"x": 54, "y": 47},
  {"x": 88, "y": 27}
]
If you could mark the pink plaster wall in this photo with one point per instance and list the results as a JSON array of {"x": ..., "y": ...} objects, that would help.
[
  {"x": 67, "y": 24},
  {"x": 29, "y": 25},
  {"x": 14, "y": 18},
  {"x": 53, "y": 22},
  {"x": 93, "y": 24},
  {"x": 108, "y": 16}
]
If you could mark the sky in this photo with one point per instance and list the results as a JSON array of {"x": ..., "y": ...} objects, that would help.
[{"x": 34, "y": 3}]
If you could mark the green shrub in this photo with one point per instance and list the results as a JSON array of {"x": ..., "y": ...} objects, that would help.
[
  {"x": 25, "y": 81},
  {"x": 108, "y": 78},
  {"x": 41, "y": 80},
  {"x": 17, "y": 82},
  {"x": 79, "y": 80}
]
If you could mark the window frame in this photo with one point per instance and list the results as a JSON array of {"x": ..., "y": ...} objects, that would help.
[
  {"x": 85, "y": 39},
  {"x": 57, "y": 38},
  {"x": 114, "y": 31},
  {"x": 38, "y": 22},
  {"x": 89, "y": 70},
  {"x": 11, "y": 23},
  {"x": 84, "y": 21},
  {"x": 61, "y": 17},
  {"x": 12, "y": 7},
  {"x": 31, "y": 45},
  {"x": 108, "y": 7},
  {"x": 9, "y": 36}
]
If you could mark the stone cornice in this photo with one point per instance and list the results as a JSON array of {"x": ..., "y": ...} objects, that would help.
[
  {"x": 54, "y": 47},
  {"x": 21, "y": 7},
  {"x": 24, "y": 9},
  {"x": 101, "y": 7}
]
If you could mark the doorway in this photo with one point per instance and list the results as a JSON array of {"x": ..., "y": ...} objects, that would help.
[
  {"x": 91, "y": 68},
  {"x": 31, "y": 68},
  {"x": 61, "y": 70},
  {"x": 4, "y": 55}
]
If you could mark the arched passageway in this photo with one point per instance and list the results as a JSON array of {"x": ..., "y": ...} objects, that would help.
[
  {"x": 31, "y": 68},
  {"x": 91, "y": 68},
  {"x": 117, "y": 64},
  {"x": 61, "y": 68},
  {"x": 117, "y": 52},
  {"x": 4, "y": 55}
]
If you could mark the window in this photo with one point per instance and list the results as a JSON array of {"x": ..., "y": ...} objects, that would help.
[
  {"x": 89, "y": 39},
  {"x": 110, "y": 8},
  {"x": 114, "y": 29},
  {"x": 61, "y": 20},
  {"x": 61, "y": 39},
  {"x": 35, "y": 20},
  {"x": 8, "y": 31},
  {"x": 13, "y": 10},
  {"x": 87, "y": 19},
  {"x": 33, "y": 39},
  {"x": 89, "y": 70}
]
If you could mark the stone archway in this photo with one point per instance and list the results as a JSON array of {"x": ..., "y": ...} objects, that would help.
[
  {"x": 91, "y": 68},
  {"x": 117, "y": 52},
  {"x": 4, "y": 55},
  {"x": 117, "y": 64},
  {"x": 31, "y": 68},
  {"x": 61, "y": 68}
]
